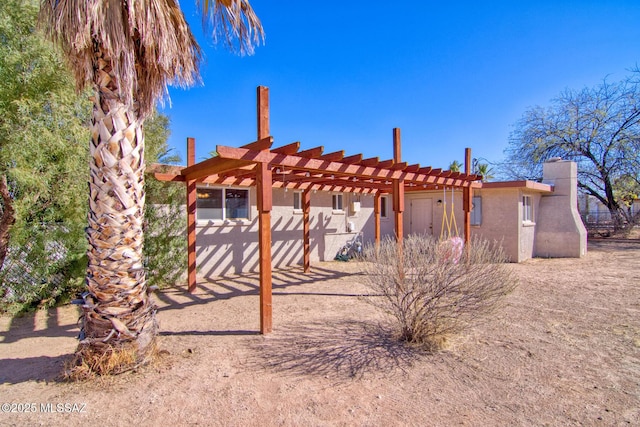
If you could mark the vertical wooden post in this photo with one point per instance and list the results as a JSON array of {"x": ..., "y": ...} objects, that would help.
[
  {"x": 306, "y": 238},
  {"x": 467, "y": 197},
  {"x": 264, "y": 202},
  {"x": 398, "y": 205},
  {"x": 376, "y": 210},
  {"x": 263, "y": 190},
  {"x": 191, "y": 218},
  {"x": 398, "y": 188},
  {"x": 263, "y": 112}
]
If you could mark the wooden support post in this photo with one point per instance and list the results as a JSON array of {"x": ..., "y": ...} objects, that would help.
[
  {"x": 263, "y": 189},
  {"x": 398, "y": 188},
  {"x": 265, "y": 202},
  {"x": 191, "y": 218},
  {"x": 467, "y": 197},
  {"x": 376, "y": 210},
  {"x": 398, "y": 205},
  {"x": 263, "y": 112},
  {"x": 306, "y": 238}
]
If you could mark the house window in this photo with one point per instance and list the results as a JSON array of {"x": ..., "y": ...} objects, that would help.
[
  {"x": 527, "y": 209},
  {"x": 476, "y": 210},
  {"x": 337, "y": 202},
  {"x": 222, "y": 203},
  {"x": 297, "y": 201},
  {"x": 384, "y": 201}
]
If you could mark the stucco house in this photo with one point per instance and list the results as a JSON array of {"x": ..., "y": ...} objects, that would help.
[
  {"x": 529, "y": 219},
  {"x": 256, "y": 207}
]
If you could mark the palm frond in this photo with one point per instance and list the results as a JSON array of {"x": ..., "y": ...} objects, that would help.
[
  {"x": 233, "y": 20},
  {"x": 148, "y": 42}
]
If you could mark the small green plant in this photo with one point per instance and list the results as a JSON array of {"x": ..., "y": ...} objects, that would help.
[{"x": 434, "y": 290}]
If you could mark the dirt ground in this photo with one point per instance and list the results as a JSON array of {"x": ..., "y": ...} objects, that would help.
[{"x": 565, "y": 350}]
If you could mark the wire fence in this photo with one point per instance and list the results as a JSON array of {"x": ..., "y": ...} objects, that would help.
[{"x": 18, "y": 274}]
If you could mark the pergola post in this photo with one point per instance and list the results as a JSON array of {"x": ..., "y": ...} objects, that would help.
[
  {"x": 376, "y": 210},
  {"x": 467, "y": 197},
  {"x": 265, "y": 203},
  {"x": 306, "y": 238},
  {"x": 398, "y": 188},
  {"x": 191, "y": 218}
]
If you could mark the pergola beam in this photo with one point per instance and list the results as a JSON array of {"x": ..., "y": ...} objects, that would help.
[{"x": 313, "y": 165}]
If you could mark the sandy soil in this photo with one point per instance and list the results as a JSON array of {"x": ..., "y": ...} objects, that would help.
[{"x": 565, "y": 350}]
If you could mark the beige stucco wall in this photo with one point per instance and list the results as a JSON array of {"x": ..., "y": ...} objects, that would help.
[
  {"x": 499, "y": 221},
  {"x": 231, "y": 247},
  {"x": 560, "y": 231}
]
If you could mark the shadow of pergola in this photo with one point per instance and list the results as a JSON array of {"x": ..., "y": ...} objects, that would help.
[
  {"x": 285, "y": 282},
  {"x": 338, "y": 350}
]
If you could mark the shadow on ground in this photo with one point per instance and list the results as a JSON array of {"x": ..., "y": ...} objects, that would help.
[{"x": 338, "y": 350}]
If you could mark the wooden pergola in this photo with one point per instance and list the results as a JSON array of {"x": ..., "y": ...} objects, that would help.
[{"x": 254, "y": 165}]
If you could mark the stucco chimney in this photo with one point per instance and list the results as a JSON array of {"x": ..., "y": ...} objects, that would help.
[{"x": 559, "y": 229}]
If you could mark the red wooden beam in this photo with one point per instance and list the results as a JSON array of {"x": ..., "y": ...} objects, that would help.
[
  {"x": 311, "y": 153},
  {"x": 263, "y": 112},
  {"x": 263, "y": 190},
  {"x": 316, "y": 165},
  {"x": 306, "y": 237},
  {"x": 356, "y": 158},
  {"x": 400, "y": 166},
  {"x": 168, "y": 177},
  {"x": 371, "y": 161},
  {"x": 376, "y": 211},
  {"x": 287, "y": 149},
  {"x": 467, "y": 197},
  {"x": 333, "y": 157},
  {"x": 398, "y": 190},
  {"x": 218, "y": 164},
  {"x": 191, "y": 219},
  {"x": 386, "y": 163},
  {"x": 264, "y": 202}
]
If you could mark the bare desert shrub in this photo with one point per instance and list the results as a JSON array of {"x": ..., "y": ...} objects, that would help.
[{"x": 434, "y": 290}]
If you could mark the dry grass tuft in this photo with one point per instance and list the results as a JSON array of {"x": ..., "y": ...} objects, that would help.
[{"x": 90, "y": 362}]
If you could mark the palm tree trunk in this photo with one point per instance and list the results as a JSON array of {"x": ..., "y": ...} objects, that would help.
[{"x": 118, "y": 314}]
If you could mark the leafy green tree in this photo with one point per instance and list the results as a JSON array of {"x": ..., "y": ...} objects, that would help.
[
  {"x": 43, "y": 157},
  {"x": 598, "y": 127},
  {"x": 165, "y": 232}
]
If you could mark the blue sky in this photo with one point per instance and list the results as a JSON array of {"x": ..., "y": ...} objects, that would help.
[{"x": 449, "y": 74}]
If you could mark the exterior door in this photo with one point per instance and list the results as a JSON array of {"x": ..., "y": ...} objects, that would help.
[{"x": 421, "y": 216}]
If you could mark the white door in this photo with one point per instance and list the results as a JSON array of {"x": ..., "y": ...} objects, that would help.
[{"x": 421, "y": 216}]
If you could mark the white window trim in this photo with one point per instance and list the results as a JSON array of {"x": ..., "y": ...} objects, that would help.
[
  {"x": 384, "y": 200},
  {"x": 225, "y": 220},
  {"x": 339, "y": 211},
  {"x": 479, "y": 223},
  {"x": 525, "y": 220},
  {"x": 299, "y": 195}
]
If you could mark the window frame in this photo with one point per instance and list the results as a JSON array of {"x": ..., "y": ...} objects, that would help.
[
  {"x": 527, "y": 209},
  {"x": 297, "y": 201},
  {"x": 337, "y": 207},
  {"x": 476, "y": 215},
  {"x": 384, "y": 206},
  {"x": 225, "y": 205}
]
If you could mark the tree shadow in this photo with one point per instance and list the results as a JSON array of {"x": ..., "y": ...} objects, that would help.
[
  {"x": 335, "y": 349},
  {"x": 39, "y": 368}
]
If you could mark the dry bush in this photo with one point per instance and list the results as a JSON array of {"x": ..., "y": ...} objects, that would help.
[{"x": 433, "y": 291}]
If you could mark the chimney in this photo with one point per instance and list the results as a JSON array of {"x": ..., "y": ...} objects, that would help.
[{"x": 559, "y": 229}]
